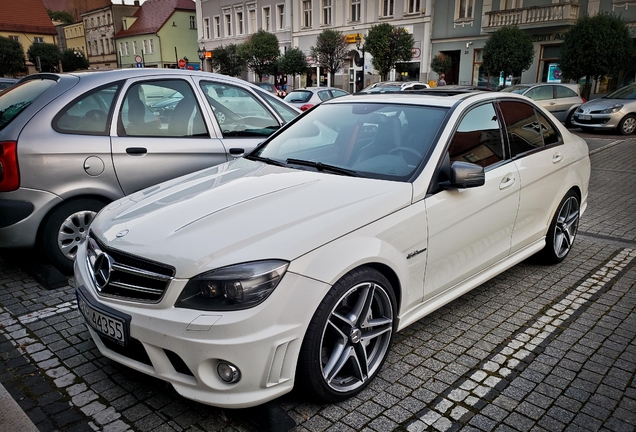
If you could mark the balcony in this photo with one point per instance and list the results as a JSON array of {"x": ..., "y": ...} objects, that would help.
[{"x": 550, "y": 15}]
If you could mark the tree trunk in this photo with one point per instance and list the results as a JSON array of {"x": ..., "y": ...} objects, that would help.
[{"x": 587, "y": 87}]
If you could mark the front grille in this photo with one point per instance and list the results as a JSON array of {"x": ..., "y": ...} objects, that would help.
[{"x": 118, "y": 274}]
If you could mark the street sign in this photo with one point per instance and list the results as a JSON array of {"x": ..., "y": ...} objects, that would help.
[
  {"x": 182, "y": 63},
  {"x": 139, "y": 65},
  {"x": 138, "y": 59}
]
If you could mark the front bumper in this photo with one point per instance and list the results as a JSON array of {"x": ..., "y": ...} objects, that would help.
[
  {"x": 598, "y": 121},
  {"x": 185, "y": 346}
]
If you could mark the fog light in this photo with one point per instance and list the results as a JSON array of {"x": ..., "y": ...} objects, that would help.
[{"x": 228, "y": 372}]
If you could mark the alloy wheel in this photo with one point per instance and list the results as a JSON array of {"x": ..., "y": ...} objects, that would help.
[
  {"x": 566, "y": 226},
  {"x": 356, "y": 337}
]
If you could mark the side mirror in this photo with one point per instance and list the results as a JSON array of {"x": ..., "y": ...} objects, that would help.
[
  {"x": 237, "y": 152},
  {"x": 465, "y": 175}
]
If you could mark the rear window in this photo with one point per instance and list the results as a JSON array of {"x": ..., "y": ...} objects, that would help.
[
  {"x": 17, "y": 98},
  {"x": 298, "y": 96}
]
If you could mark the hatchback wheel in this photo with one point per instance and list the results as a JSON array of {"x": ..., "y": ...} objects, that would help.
[
  {"x": 562, "y": 230},
  {"x": 349, "y": 337},
  {"x": 64, "y": 229},
  {"x": 627, "y": 125}
]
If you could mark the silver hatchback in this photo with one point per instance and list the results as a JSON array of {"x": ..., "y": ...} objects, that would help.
[
  {"x": 614, "y": 111},
  {"x": 71, "y": 143}
]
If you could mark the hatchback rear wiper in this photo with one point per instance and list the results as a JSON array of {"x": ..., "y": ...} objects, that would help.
[{"x": 323, "y": 167}]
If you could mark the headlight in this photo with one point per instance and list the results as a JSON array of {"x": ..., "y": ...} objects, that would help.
[
  {"x": 611, "y": 110},
  {"x": 239, "y": 286}
]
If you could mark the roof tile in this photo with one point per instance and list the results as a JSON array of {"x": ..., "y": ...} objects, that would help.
[
  {"x": 153, "y": 14},
  {"x": 27, "y": 16}
]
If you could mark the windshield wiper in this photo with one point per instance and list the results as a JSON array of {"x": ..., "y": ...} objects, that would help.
[
  {"x": 323, "y": 167},
  {"x": 266, "y": 160}
]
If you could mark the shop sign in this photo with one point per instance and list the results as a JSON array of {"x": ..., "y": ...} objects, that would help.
[
  {"x": 548, "y": 37},
  {"x": 352, "y": 38}
]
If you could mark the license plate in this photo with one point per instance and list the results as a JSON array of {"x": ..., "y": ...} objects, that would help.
[
  {"x": 585, "y": 117},
  {"x": 106, "y": 325}
]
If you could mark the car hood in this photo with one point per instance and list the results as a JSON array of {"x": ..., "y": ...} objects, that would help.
[
  {"x": 602, "y": 103},
  {"x": 243, "y": 211}
]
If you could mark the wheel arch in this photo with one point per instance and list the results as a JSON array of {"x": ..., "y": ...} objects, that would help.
[
  {"x": 327, "y": 264},
  {"x": 52, "y": 210}
]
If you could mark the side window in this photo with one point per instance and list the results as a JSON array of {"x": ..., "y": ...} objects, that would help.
[
  {"x": 550, "y": 133},
  {"x": 89, "y": 113},
  {"x": 238, "y": 112},
  {"x": 524, "y": 129},
  {"x": 287, "y": 113},
  {"x": 324, "y": 95},
  {"x": 564, "y": 92},
  {"x": 338, "y": 93},
  {"x": 478, "y": 139},
  {"x": 541, "y": 93},
  {"x": 161, "y": 108}
]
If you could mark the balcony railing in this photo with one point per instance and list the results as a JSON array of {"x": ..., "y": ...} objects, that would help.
[{"x": 534, "y": 16}]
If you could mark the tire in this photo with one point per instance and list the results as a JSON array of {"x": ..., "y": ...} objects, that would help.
[
  {"x": 627, "y": 125},
  {"x": 587, "y": 129},
  {"x": 64, "y": 228},
  {"x": 562, "y": 231},
  {"x": 568, "y": 120},
  {"x": 342, "y": 352}
]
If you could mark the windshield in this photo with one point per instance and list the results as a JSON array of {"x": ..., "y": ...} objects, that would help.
[
  {"x": 515, "y": 89},
  {"x": 627, "y": 92},
  {"x": 370, "y": 139},
  {"x": 15, "y": 99}
]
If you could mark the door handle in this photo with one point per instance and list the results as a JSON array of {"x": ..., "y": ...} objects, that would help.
[
  {"x": 506, "y": 182},
  {"x": 556, "y": 158},
  {"x": 136, "y": 151},
  {"x": 552, "y": 103}
]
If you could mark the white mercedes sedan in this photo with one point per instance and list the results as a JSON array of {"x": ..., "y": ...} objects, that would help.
[{"x": 297, "y": 264}]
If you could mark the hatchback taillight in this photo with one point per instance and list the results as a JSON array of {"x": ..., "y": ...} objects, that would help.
[
  {"x": 9, "y": 172},
  {"x": 306, "y": 107},
  {"x": 583, "y": 99}
]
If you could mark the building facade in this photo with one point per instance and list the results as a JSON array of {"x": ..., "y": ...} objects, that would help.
[
  {"x": 462, "y": 27},
  {"x": 26, "y": 28},
  {"x": 160, "y": 34},
  {"x": 225, "y": 22},
  {"x": 74, "y": 35},
  {"x": 100, "y": 27},
  {"x": 297, "y": 23}
]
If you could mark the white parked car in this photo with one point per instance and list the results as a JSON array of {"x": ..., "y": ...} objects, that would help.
[{"x": 297, "y": 264}]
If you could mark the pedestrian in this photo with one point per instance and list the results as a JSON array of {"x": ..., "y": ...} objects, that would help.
[{"x": 442, "y": 81}]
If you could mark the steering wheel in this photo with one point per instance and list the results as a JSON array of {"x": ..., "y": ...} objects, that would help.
[
  {"x": 93, "y": 120},
  {"x": 408, "y": 150},
  {"x": 95, "y": 116}
]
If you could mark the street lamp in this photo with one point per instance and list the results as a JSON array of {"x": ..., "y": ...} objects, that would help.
[
  {"x": 360, "y": 47},
  {"x": 201, "y": 53}
]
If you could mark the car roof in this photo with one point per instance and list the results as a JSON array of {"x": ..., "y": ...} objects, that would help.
[
  {"x": 99, "y": 76},
  {"x": 428, "y": 97}
]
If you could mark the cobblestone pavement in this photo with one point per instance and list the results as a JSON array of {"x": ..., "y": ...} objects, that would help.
[{"x": 537, "y": 348}]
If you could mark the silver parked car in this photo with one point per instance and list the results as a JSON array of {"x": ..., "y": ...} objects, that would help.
[
  {"x": 561, "y": 100},
  {"x": 71, "y": 143},
  {"x": 7, "y": 82},
  {"x": 616, "y": 110},
  {"x": 306, "y": 98},
  {"x": 394, "y": 86}
]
